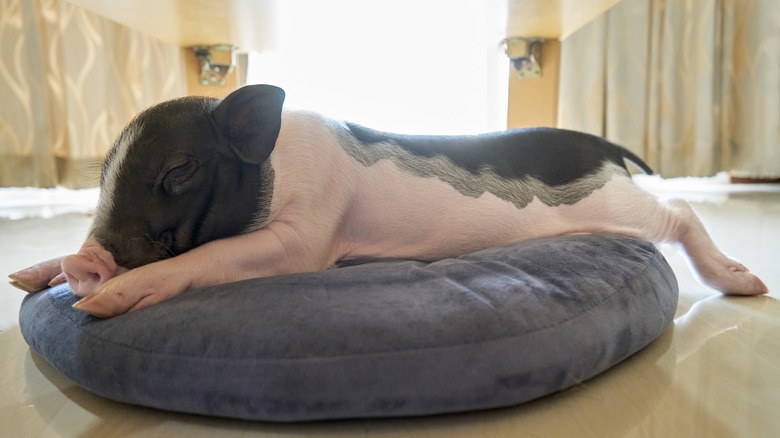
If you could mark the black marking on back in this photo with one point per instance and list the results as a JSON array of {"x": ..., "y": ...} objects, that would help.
[
  {"x": 558, "y": 167},
  {"x": 553, "y": 156}
]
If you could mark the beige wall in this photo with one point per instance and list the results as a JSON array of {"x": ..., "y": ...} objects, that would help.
[{"x": 534, "y": 102}]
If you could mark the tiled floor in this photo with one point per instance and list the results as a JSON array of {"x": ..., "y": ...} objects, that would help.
[{"x": 715, "y": 373}]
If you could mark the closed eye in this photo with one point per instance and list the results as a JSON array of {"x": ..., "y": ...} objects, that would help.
[{"x": 178, "y": 179}]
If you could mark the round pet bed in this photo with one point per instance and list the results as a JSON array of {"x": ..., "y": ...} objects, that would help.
[{"x": 393, "y": 338}]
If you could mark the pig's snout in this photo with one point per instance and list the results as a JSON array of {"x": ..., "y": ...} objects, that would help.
[{"x": 91, "y": 267}]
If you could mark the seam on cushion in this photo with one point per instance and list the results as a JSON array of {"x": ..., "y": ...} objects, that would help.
[{"x": 653, "y": 258}]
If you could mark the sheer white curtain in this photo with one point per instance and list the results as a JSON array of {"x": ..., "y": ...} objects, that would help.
[{"x": 408, "y": 66}]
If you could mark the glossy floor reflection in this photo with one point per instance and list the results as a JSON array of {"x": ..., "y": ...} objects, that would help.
[{"x": 714, "y": 373}]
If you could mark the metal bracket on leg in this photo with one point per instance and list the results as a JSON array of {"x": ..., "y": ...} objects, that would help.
[
  {"x": 525, "y": 55},
  {"x": 214, "y": 72}
]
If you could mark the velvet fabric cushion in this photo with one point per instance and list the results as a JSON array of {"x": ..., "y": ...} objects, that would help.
[{"x": 494, "y": 328}]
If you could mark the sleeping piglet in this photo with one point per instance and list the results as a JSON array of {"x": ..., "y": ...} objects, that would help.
[{"x": 198, "y": 192}]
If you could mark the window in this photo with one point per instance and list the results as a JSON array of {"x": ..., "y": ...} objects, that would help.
[{"x": 408, "y": 66}]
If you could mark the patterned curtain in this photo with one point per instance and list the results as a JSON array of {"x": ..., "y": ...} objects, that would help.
[
  {"x": 69, "y": 82},
  {"x": 691, "y": 85}
]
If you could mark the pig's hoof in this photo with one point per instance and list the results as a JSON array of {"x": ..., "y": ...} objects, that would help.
[
  {"x": 735, "y": 279},
  {"x": 37, "y": 277}
]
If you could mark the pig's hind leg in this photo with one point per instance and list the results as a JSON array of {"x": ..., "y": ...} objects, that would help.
[{"x": 675, "y": 221}]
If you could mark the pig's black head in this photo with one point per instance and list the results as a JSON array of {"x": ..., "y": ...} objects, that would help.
[{"x": 186, "y": 172}]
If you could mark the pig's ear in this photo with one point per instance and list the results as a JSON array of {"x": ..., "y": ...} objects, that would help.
[{"x": 250, "y": 118}]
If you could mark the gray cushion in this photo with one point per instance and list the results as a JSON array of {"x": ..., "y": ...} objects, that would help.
[{"x": 393, "y": 338}]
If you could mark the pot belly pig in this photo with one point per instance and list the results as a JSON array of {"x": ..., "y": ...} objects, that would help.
[{"x": 198, "y": 191}]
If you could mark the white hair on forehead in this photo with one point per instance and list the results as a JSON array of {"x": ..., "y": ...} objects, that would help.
[{"x": 112, "y": 168}]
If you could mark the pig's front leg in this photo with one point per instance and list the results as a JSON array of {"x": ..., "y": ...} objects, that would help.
[
  {"x": 38, "y": 277},
  {"x": 263, "y": 253},
  {"x": 138, "y": 288}
]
